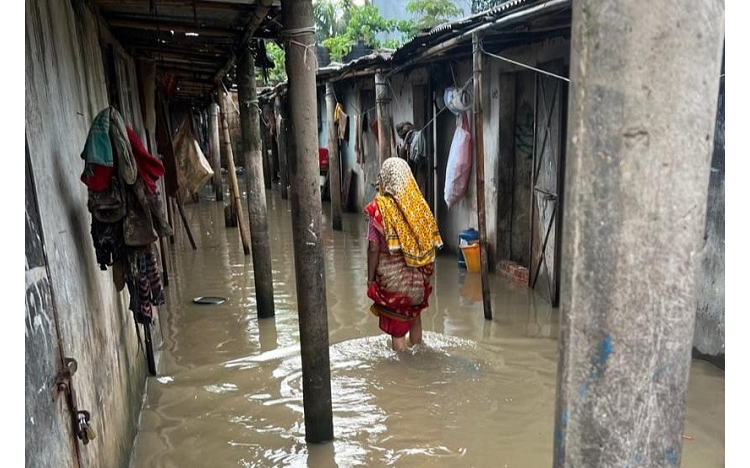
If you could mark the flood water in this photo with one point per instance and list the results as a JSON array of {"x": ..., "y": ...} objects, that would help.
[{"x": 478, "y": 393}]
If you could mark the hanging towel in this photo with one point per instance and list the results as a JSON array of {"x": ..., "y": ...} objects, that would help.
[
  {"x": 98, "y": 149},
  {"x": 126, "y": 164}
]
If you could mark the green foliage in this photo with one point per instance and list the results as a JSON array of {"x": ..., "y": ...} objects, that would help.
[
  {"x": 330, "y": 18},
  {"x": 430, "y": 13},
  {"x": 365, "y": 23},
  {"x": 276, "y": 74},
  {"x": 338, "y": 47},
  {"x": 358, "y": 23}
]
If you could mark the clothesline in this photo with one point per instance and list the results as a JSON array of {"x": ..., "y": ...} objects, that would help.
[{"x": 523, "y": 65}]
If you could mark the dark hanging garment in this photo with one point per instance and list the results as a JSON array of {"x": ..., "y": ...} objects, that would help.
[
  {"x": 144, "y": 284},
  {"x": 108, "y": 242}
]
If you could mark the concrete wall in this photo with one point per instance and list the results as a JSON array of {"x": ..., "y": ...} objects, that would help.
[
  {"x": 709, "y": 319},
  {"x": 67, "y": 293}
]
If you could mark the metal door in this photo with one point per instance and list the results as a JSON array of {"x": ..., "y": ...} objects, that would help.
[{"x": 546, "y": 182}]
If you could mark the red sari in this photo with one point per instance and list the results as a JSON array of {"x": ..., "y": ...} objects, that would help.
[{"x": 399, "y": 293}]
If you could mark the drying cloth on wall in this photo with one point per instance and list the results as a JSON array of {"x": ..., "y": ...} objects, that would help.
[
  {"x": 108, "y": 242},
  {"x": 126, "y": 165},
  {"x": 107, "y": 149},
  {"x": 342, "y": 121},
  {"x": 99, "y": 178},
  {"x": 98, "y": 150},
  {"x": 144, "y": 284},
  {"x": 149, "y": 168},
  {"x": 358, "y": 151}
]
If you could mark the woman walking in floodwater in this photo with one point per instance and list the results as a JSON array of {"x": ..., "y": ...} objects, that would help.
[{"x": 403, "y": 238}]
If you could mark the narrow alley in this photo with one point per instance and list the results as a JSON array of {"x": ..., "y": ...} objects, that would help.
[
  {"x": 479, "y": 393},
  {"x": 236, "y": 210}
]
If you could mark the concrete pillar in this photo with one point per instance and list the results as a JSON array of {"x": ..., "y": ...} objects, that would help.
[
  {"x": 252, "y": 148},
  {"x": 385, "y": 118},
  {"x": 644, "y": 81},
  {"x": 334, "y": 166},
  {"x": 306, "y": 220},
  {"x": 215, "y": 152}
]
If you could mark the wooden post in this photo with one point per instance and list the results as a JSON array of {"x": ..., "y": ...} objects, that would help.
[
  {"x": 213, "y": 140},
  {"x": 256, "y": 194},
  {"x": 479, "y": 159},
  {"x": 639, "y": 143},
  {"x": 185, "y": 224},
  {"x": 283, "y": 146},
  {"x": 170, "y": 217},
  {"x": 233, "y": 186},
  {"x": 385, "y": 119},
  {"x": 306, "y": 220},
  {"x": 333, "y": 160},
  {"x": 266, "y": 140}
]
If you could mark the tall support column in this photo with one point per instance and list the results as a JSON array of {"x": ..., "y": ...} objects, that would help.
[
  {"x": 256, "y": 193},
  {"x": 282, "y": 133},
  {"x": 478, "y": 122},
  {"x": 213, "y": 143},
  {"x": 266, "y": 140},
  {"x": 233, "y": 186},
  {"x": 334, "y": 166},
  {"x": 644, "y": 81},
  {"x": 385, "y": 118},
  {"x": 306, "y": 220}
]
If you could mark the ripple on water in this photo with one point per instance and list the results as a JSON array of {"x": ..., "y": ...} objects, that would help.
[{"x": 393, "y": 407}]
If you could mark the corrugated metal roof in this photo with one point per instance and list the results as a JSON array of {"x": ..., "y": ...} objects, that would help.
[{"x": 545, "y": 18}]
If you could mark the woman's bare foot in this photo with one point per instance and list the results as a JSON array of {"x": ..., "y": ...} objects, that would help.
[
  {"x": 415, "y": 331},
  {"x": 399, "y": 344}
]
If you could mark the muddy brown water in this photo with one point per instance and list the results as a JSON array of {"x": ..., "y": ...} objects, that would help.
[{"x": 478, "y": 393}]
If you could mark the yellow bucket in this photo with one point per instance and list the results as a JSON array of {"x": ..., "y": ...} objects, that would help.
[{"x": 471, "y": 254}]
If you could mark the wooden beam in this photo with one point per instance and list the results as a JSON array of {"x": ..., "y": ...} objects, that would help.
[
  {"x": 261, "y": 10},
  {"x": 198, "y": 4},
  {"x": 147, "y": 23}
]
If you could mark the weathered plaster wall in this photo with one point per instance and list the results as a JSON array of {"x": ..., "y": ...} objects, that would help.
[
  {"x": 709, "y": 319},
  {"x": 65, "y": 89}
]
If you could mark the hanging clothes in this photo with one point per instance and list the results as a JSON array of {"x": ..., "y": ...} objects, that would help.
[
  {"x": 144, "y": 284},
  {"x": 342, "y": 121},
  {"x": 149, "y": 168},
  {"x": 358, "y": 151},
  {"x": 126, "y": 209}
]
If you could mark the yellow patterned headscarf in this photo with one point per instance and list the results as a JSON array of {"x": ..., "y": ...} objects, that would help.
[{"x": 407, "y": 221}]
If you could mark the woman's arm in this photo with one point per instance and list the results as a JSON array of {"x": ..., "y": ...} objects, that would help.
[{"x": 373, "y": 251}]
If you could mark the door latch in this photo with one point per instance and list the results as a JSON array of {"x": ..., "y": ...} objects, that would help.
[{"x": 64, "y": 385}]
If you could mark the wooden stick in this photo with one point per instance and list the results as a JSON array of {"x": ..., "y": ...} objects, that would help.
[
  {"x": 479, "y": 152},
  {"x": 170, "y": 217},
  {"x": 185, "y": 222},
  {"x": 227, "y": 142},
  {"x": 333, "y": 160}
]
